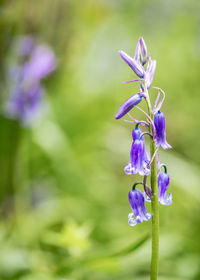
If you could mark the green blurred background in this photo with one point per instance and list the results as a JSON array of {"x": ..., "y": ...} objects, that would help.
[{"x": 66, "y": 174}]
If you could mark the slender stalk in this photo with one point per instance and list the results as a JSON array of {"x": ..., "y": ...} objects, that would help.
[
  {"x": 154, "y": 202},
  {"x": 155, "y": 216}
]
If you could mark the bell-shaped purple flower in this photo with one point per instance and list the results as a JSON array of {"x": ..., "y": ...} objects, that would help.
[
  {"x": 136, "y": 133},
  {"x": 138, "y": 159},
  {"x": 141, "y": 52},
  {"x": 128, "y": 105},
  {"x": 159, "y": 122},
  {"x": 163, "y": 184},
  {"x": 134, "y": 64},
  {"x": 136, "y": 200},
  {"x": 149, "y": 74}
]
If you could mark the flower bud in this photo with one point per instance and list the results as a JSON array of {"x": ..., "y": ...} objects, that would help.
[
  {"x": 128, "y": 105},
  {"x": 141, "y": 52},
  {"x": 135, "y": 65}
]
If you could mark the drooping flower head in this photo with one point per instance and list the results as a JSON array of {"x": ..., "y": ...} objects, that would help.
[
  {"x": 128, "y": 105},
  {"x": 137, "y": 200},
  {"x": 159, "y": 122},
  {"x": 136, "y": 134},
  {"x": 138, "y": 159},
  {"x": 26, "y": 92},
  {"x": 163, "y": 184}
]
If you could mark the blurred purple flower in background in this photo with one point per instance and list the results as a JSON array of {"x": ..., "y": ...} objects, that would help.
[
  {"x": 26, "y": 92},
  {"x": 25, "y": 45}
]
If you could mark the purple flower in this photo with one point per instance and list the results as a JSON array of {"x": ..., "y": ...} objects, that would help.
[
  {"x": 136, "y": 200},
  {"x": 24, "y": 106},
  {"x": 163, "y": 184},
  {"x": 149, "y": 74},
  {"x": 135, "y": 65},
  {"x": 25, "y": 45},
  {"x": 128, "y": 105},
  {"x": 159, "y": 122},
  {"x": 41, "y": 64},
  {"x": 141, "y": 52},
  {"x": 26, "y": 92},
  {"x": 138, "y": 159},
  {"x": 136, "y": 133}
]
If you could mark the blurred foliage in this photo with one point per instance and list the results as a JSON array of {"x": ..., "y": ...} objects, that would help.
[{"x": 65, "y": 175}]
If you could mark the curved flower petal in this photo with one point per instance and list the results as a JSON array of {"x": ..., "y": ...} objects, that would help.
[
  {"x": 150, "y": 73},
  {"x": 146, "y": 197},
  {"x": 167, "y": 200},
  {"x": 131, "y": 221}
]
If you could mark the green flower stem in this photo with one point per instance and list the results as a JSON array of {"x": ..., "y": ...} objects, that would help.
[
  {"x": 155, "y": 216},
  {"x": 154, "y": 202}
]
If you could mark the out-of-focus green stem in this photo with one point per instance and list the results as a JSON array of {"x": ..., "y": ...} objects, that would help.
[
  {"x": 154, "y": 202},
  {"x": 9, "y": 164}
]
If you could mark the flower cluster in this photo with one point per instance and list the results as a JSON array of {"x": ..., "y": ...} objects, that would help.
[
  {"x": 140, "y": 160},
  {"x": 32, "y": 64}
]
